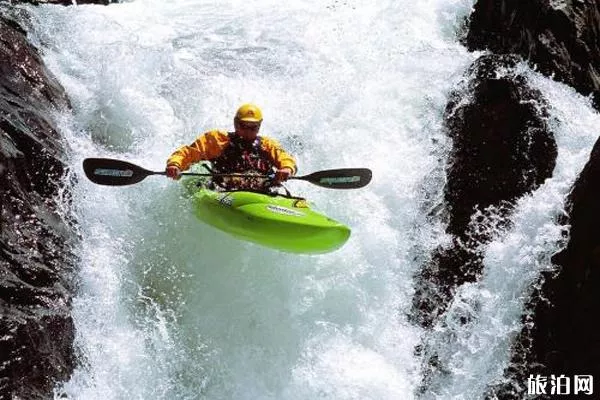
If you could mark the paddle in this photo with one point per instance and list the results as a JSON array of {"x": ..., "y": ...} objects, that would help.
[{"x": 107, "y": 171}]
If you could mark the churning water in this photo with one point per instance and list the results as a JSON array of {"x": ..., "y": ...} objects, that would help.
[{"x": 169, "y": 308}]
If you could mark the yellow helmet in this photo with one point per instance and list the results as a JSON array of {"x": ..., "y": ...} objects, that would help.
[{"x": 249, "y": 113}]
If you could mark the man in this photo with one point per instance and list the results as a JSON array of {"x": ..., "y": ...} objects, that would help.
[{"x": 240, "y": 152}]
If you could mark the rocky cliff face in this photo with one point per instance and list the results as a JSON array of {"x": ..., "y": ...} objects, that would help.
[
  {"x": 36, "y": 239},
  {"x": 502, "y": 149},
  {"x": 36, "y": 263},
  {"x": 561, "y": 39}
]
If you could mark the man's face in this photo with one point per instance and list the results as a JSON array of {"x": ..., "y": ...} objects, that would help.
[{"x": 247, "y": 130}]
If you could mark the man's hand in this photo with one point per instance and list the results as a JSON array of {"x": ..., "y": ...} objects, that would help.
[
  {"x": 173, "y": 172},
  {"x": 282, "y": 175}
]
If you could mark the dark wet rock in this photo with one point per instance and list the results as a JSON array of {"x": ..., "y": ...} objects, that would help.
[
  {"x": 502, "y": 149},
  {"x": 560, "y": 335},
  {"x": 560, "y": 38},
  {"x": 36, "y": 261}
]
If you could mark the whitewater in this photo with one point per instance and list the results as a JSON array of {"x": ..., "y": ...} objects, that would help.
[{"x": 169, "y": 308}]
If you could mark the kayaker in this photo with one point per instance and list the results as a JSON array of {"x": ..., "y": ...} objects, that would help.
[{"x": 242, "y": 151}]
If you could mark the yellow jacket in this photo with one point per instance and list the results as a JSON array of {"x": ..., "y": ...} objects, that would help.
[{"x": 212, "y": 145}]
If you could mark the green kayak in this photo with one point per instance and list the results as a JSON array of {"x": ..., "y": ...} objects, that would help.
[{"x": 276, "y": 221}]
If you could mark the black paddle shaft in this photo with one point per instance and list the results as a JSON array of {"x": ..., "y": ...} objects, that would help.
[{"x": 108, "y": 171}]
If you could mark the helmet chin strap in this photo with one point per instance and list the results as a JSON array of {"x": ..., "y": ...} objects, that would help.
[{"x": 246, "y": 138}]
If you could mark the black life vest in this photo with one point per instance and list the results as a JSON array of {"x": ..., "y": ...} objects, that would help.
[{"x": 242, "y": 156}]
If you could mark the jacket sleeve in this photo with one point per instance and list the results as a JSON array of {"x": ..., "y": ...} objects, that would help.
[
  {"x": 206, "y": 147},
  {"x": 280, "y": 157}
]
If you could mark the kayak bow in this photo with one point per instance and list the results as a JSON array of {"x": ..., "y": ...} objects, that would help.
[{"x": 280, "y": 222}]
